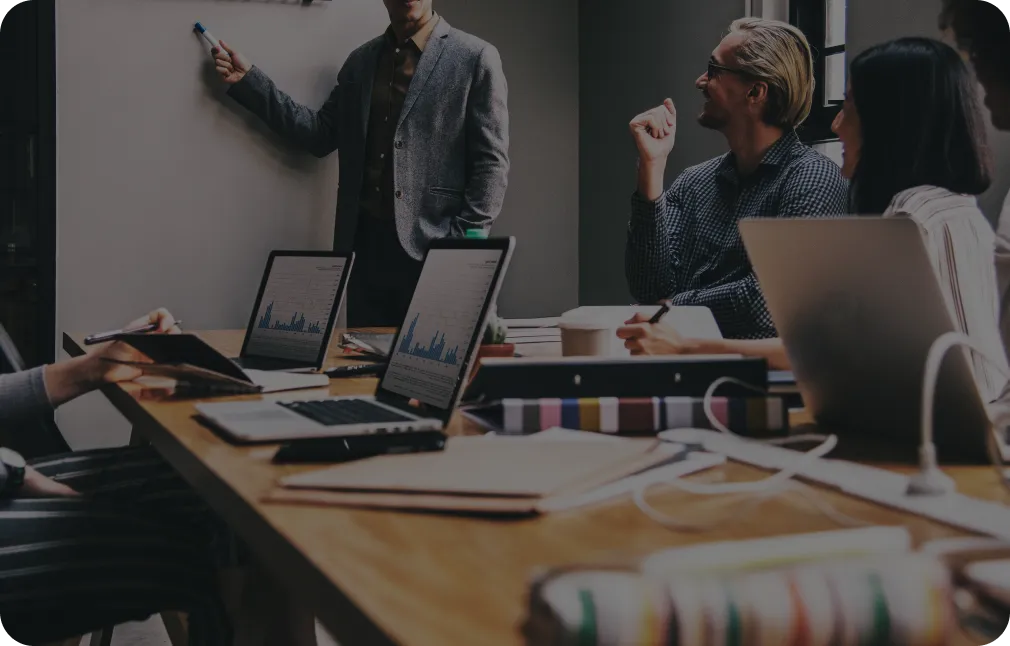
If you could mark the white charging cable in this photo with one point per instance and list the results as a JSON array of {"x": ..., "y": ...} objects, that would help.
[
  {"x": 931, "y": 481},
  {"x": 780, "y": 482}
]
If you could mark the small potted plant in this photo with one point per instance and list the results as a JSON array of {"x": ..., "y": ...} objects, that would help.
[{"x": 493, "y": 344}]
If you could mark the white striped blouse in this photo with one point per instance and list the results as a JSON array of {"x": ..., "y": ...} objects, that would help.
[
  {"x": 1003, "y": 271},
  {"x": 961, "y": 244}
]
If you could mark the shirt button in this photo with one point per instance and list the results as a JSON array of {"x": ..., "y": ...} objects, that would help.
[
  {"x": 376, "y": 189},
  {"x": 399, "y": 145},
  {"x": 397, "y": 50},
  {"x": 386, "y": 119},
  {"x": 382, "y": 155},
  {"x": 399, "y": 194}
]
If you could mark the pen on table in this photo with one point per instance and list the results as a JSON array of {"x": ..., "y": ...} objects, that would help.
[
  {"x": 361, "y": 344},
  {"x": 95, "y": 339},
  {"x": 663, "y": 311}
]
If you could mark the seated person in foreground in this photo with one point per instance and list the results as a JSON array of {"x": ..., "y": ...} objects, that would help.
[
  {"x": 915, "y": 146},
  {"x": 99, "y": 538},
  {"x": 683, "y": 244}
]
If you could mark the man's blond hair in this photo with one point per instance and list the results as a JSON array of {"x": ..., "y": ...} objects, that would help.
[{"x": 780, "y": 55}]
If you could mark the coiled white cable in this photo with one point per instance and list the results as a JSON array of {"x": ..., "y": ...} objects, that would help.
[
  {"x": 780, "y": 482},
  {"x": 930, "y": 480}
]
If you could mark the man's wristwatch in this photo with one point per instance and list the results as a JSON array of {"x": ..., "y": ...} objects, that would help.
[{"x": 12, "y": 472}]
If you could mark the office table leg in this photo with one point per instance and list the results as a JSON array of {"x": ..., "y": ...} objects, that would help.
[{"x": 175, "y": 623}]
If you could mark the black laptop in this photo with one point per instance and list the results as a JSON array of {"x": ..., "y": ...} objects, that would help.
[{"x": 292, "y": 321}]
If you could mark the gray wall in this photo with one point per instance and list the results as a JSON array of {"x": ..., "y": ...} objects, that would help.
[
  {"x": 635, "y": 54},
  {"x": 875, "y": 21},
  {"x": 539, "y": 44},
  {"x": 169, "y": 194}
]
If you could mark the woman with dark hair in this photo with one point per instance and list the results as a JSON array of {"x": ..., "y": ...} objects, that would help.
[{"x": 914, "y": 146}]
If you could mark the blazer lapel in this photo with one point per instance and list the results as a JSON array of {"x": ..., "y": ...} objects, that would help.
[
  {"x": 429, "y": 60},
  {"x": 367, "y": 84}
]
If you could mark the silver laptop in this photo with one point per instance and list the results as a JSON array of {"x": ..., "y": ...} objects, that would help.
[
  {"x": 430, "y": 360},
  {"x": 292, "y": 320},
  {"x": 858, "y": 306}
]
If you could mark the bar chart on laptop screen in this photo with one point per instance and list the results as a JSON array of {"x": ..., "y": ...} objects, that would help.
[
  {"x": 430, "y": 353},
  {"x": 295, "y": 308}
]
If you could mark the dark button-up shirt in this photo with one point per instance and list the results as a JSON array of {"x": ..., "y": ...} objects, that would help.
[
  {"x": 686, "y": 246},
  {"x": 393, "y": 74}
]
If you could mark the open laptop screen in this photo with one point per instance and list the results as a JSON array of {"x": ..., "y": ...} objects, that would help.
[
  {"x": 296, "y": 307},
  {"x": 432, "y": 350}
]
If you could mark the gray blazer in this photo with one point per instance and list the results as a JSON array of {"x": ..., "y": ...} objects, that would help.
[{"x": 450, "y": 155}]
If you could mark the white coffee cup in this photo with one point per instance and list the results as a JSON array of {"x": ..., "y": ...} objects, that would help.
[{"x": 588, "y": 338}]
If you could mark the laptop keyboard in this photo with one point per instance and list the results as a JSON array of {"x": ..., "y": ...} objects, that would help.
[{"x": 340, "y": 412}]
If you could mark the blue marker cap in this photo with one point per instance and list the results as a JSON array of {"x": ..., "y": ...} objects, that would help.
[{"x": 200, "y": 28}]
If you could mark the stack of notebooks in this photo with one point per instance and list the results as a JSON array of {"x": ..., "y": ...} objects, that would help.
[{"x": 498, "y": 476}]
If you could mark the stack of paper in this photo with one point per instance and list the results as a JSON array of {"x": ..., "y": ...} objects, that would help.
[
  {"x": 494, "y": 475},
  {"x": 533, "y": 335},
  {"x": 515, "y": 324}
]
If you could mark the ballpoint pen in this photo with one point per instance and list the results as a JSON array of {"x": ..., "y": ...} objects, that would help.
[
  {"x": 95, "y": 339},
  {"x": 663, "y": 311},
  {"x": 362, "y": 346}
]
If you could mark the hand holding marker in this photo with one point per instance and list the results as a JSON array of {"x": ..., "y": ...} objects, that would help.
[{"x": 231, "y": 65}]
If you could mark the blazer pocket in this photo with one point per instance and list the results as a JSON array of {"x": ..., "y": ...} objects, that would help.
[{"x": 446, "y": 192}]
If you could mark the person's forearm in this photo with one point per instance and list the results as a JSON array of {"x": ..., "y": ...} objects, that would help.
[
  {"x": 23, "y": 395},
  {"x": 653, "y": 250},
  {"x": 483, "y": 196},
  {"x": 650, "y": 179},
  {"x": 68, "y": 380},
  {"x": 771, "y": 349},
  {"x": 313, "y": 130}
]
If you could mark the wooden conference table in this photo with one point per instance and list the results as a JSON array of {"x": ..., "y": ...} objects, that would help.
[{"x": 381, "y": 577}]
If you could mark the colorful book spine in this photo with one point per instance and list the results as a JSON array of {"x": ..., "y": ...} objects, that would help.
[{"x": 630, "y": 416}]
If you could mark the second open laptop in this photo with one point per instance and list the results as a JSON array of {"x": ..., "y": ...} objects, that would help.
[
  {"x": 292, "y": 321},
  {"x": 432, "y": 355},
  {"x": 858, "y": 305}
]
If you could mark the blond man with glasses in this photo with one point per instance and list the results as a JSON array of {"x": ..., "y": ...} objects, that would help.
[{"x": 683, "y": 242}]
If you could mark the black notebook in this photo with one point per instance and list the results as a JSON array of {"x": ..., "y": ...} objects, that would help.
[{"x": 191, "y": 361}]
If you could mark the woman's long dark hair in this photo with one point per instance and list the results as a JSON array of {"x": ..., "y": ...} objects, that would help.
[{"x": 921, "y": 123}]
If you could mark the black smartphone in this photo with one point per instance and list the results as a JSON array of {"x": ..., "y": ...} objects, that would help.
[{"x": 328, "y": 450}]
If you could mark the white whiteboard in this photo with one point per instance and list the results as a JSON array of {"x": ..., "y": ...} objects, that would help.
[{"x": 168, "y": 192}]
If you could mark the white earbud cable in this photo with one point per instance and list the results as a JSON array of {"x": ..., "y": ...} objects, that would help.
[{"x": 758, "y": 491}]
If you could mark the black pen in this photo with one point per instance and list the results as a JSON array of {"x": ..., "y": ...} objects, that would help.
[
  {"x": 95, "y": 339},
  {"x": 663, "y": 311}
]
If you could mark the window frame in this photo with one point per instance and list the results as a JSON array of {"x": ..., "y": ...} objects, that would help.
[{"x": 810, "y": 16}]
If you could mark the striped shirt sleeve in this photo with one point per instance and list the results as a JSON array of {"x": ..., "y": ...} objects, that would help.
[
  {"x": 961, "y": 247},
  {"x": 23, "y": 395},
  {"x": 1003, "y": 270}
]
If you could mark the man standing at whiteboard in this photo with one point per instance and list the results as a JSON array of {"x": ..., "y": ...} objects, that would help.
[{"x": 420, "y": 119}]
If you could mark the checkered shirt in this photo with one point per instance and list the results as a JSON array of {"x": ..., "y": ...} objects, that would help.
[{"x": 686, "y": 246}]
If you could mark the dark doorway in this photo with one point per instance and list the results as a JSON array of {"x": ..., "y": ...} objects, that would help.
[{"x": 28, "y": 180}]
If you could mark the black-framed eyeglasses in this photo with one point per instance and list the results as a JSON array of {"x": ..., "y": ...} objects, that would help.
[{"x": 715, "y": 68}]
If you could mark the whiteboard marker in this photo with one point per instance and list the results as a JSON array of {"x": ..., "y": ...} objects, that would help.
[{"x": 208, "y": 36}]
